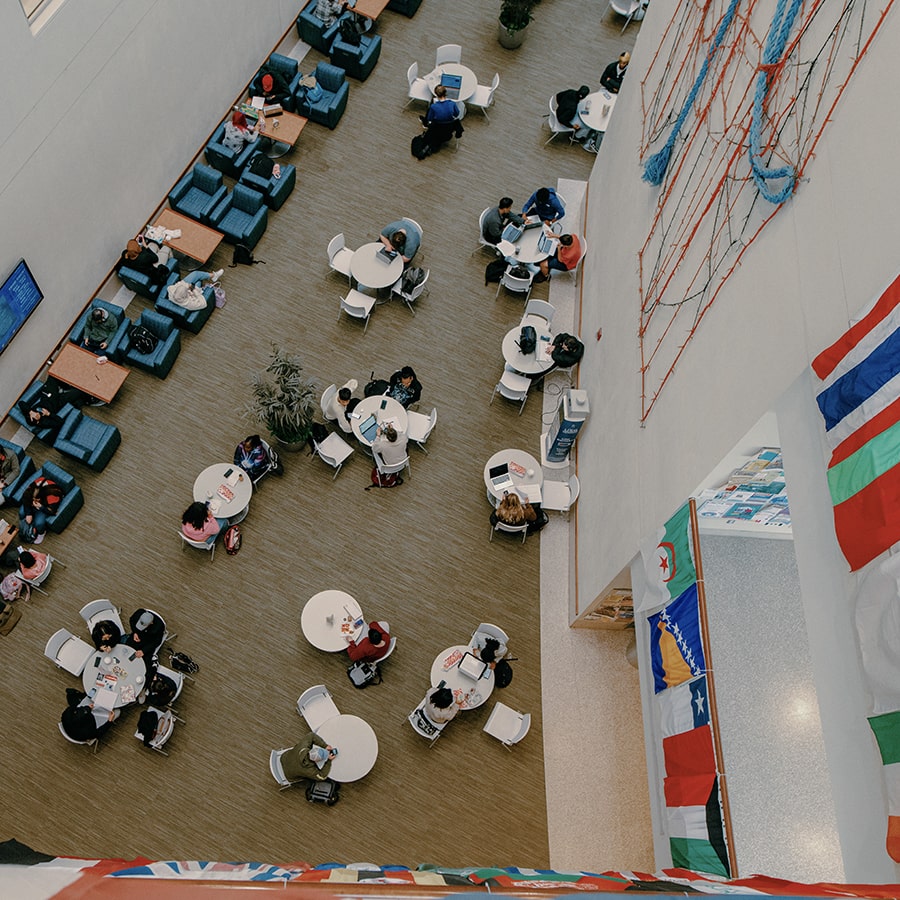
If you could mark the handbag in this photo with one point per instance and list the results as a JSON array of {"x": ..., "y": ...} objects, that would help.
[{"x": 219, "y": 292}]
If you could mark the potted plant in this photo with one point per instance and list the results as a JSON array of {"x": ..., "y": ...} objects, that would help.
[
  {"x": 284, "y": 399},
  {"x": 514, "y": 18}
]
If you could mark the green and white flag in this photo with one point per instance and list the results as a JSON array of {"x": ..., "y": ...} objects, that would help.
[{"x": 668, "y": 557}]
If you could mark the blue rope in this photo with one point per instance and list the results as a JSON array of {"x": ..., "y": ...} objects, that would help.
[
  {"x": 655, "y": 167},
  {"x": 775, "y": 44}
]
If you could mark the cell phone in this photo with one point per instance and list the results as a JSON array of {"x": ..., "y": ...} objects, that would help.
[
  {"x": 228, "y": 473},
  {"x": 383, "y": 404}
]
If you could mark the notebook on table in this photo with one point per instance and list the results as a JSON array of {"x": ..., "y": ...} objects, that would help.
[
  {"x": 531, "y": 222},
  {"x": 500, "y": 477},
  {"x": 472, "y": 667},
  {"x": 368, "y": 428}
]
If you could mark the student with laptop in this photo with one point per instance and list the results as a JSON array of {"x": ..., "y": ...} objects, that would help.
[
  {"x": 544, "y": 204},
  {"x": 401, "y": 237},
  {"x": 498, "y": 218},
  {"x": 390, "y": 445},
  {"x": 441, "y": 121},
  {"x": 512, "y": 511},
  {"x": 372, "y": 647},
  {"x": 568, "y": 252}
]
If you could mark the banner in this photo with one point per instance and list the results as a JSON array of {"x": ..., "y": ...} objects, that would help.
[
  {"x": 668, "y": 557},
  {"x": 676, "y": 648}
]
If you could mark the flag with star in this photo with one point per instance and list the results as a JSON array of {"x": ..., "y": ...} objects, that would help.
[
  {"x": 676, "y": 645},
  {"x": 683, "y": 707},
  {"x": 668, "y": 557}
]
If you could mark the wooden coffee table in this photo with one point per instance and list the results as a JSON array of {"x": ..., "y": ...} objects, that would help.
[
  {"x": 8, "y": 534},
  {"x": 79, "y": 368},
  {"x": 197, "y": 241},
  {"x": 371, "y": 9},
  {"x": 283, "y": 130}
]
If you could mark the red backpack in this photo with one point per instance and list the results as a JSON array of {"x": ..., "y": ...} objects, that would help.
[{"x": 232, "y": 539}]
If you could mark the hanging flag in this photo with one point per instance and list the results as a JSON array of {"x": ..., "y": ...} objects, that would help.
[
  {"x": 696, "y": 831},
  {"x": 860, "y": 403},
  {"x": 683, "y": 707},
  {"x": 690, "y": 753},
  {"x": 668, "y": 557},
  {"x": 886, "y": 729},
  {"x": 676, "y": 648}
]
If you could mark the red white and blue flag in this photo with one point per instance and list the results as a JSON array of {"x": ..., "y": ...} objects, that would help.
[{"x": 860, "y": 402}]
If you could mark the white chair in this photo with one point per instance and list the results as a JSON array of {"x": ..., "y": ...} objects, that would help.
[
  {"x": 418, "y": 227},
  {"x": 38, "y": 580},
  {"x": 392, "y": 645},
  {"x": 557, "y": 127},
  {"x": 165, "y": 726},
  {"x": 418, "y": 87},
  {"x": 326, "y": 400},
  {"x": 414, "y": 294},
  {"x": 484, "y": 95},
  {"x": 512, "y": 386},
  {"x": 358, "y": 305},
  {"x": 272, "y": 461},
  {"x": 383, "y": 468},
  {"x": 515, "y": 284},
  {"x": 340, "y": 255},
  {"x": 210, "y": 547},
  {"x": 177, "y": 677},
  {"x": 509, "y": 529},
  {"x": 494, "y": 631},
  {"x": 334, "y": 450},
  {"x": 482, "y": 243},
  {"x": 422, "y": 725},
  {"x": 560, "y": 496},
  {"x": 93, "y": 742},
  {"x": 420, "y": 426},
  {"x": 448, "y": 53},
  {"x": 540, "y": 308},
  {"x": 316, "y": 706},
  {"x": 101, "y": 611},
  {"x": 630, "y": 9},
  {"x": 277, "y": 771},
  {"x": 68, "y": 652},
  {"x": 507, "y": 725}
]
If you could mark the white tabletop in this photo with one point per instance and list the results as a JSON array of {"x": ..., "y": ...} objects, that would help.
[
  {"x": 469, "y": 80},
  {"x": 206, "y": 488},
  {"x": 590, "y": 109},
  {"x": 393, "y": 410},
  {"x": 468, "y": 694},
  {"x": 356, "y": 743},
  {"x": 525, "y": 249},
  {"x": 533, "y": 363},
  {"x": 120, "y": 664},
  {"x": 330, "y": 635},
  {"x": 533, "y": 472},
  {"x": 372, "y": 270}
]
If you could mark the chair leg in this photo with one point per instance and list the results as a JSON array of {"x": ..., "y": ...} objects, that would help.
[{"x": 491, "y": 538}]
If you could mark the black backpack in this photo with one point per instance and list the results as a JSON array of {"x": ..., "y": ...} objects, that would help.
[
  {"x": 181, "y": 662},
  {"x": 376, "y": 387},
  {"x": 503, "y": 673},
  {"x": 419, "y": 147},
  {"x": 263, "y": 166},
  {"x": 327, "y": 792},
  {"x": 143, "y": 340},
  {"x": 494, "y": 271},
  {"x": 411, "y": 278},
  {"x": 349, "y": 31},
  {"x": 362, "y": 674},
  {"x": 243, "y": 256},
  {"x": 527, "y": 339}
]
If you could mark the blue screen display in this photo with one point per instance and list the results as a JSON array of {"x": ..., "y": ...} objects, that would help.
[{"x": 19, "y": 295}]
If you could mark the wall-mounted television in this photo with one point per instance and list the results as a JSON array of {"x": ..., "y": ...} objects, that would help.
[{"x": 19, "y": 295}]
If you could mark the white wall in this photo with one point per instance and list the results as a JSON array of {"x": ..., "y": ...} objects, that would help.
[{"x": 84, "y": 99}]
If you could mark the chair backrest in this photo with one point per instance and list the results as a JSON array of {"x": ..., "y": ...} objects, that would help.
[
  {"x": 177, "y": 677},
  {"x": 71, "y": 740},
  {"x": 495, "y": 83},
  {"x": 555, "y": 124},
  {"x": 391, "y": 647},
  {"x": 358, "y": 312},
  {"x": 523, "y": 729},
  {"x": 386, "y": 469},
  {"x": 432, "y": 421},
  {"x": 335, "y": 245},
  {"x": 331, "y": 460},
  {"x": 448, "y": 53},
  {"x": 506, "y": 724},
  {"x": 423, "y": 725},
  {"x": 246, "y": 199},
  {"x": 481, "y": 226},
  {"x": 417, "y": 226},
  {"x": 276, "y": 769},
  {"x": 513, "y": 386},
  {"x": 198, "y": 545},
  {"x": 490, "y": 630},
  {"x": 512, "y": 529},
  {"x": 416, "y": 292},
  {"x": 330, "y": 77},
  {"x": 316, "y": 706},
  {"x": 514, "y": 283},
  {"x": 412, "y": 73},
  {"x": 325, "y": 402},
  {"x": 540, "y": 308},
  {"x": 206, "y": 178},
  {"x": 41, "y": 577},
  {"x": 100, "y": 611},
  {"x": 574, "y": 489}
]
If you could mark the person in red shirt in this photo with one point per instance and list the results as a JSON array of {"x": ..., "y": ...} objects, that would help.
[
  {"x": 568, "y": 252},
  {"x": 372, "y": 647}
]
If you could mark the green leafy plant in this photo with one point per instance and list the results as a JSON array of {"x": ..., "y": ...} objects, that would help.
[
  {"x": 516, "y": 14},
  {"x": 284, "y": 399}
]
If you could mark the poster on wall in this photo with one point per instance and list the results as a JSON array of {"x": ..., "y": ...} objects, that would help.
[{"x": 19, "y": 296}]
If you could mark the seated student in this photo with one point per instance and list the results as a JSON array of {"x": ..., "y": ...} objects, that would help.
[
  {"x": 329, "y": 10},
  {"x": 405, "y": 388},
  {"x": 32, "y": 563},
  {"x": 544, "y": 204},
  {"x": 106, "y": 635},
  {"x": 199, "y": 524},
  {"x": 567, "y": 109},
  {"x": 613, "y": 74},
  {"x": 441, "y": 121},
  {"x": 274, "y": 89},
  {"x": 147, "y": 633},
  {"x": 311, "y": 759},
  {"x": 568, "y": 252},
  {"x": 238, "y": 133},
  {"x": 145, "y": 260},
  {"x": 390, "y": 445},
  {"x": 43, "y": 412},
  {"x": 567, "y": 351},
  {"x": 342, "y": 404},
  {"x": 488, "y": 649},
  {"x": 440, "y": 706},
  {"x": 161, "y": 690},
  {"x": 497, "y": 219},
  {"x": 9, "y": 470},
  {"x": 251, "y": 455},
  {"x": 372, "y": 647},
  {"x": 512, "y": 511},
  {"x": 188, "y": 293},
  {"x": 403, "y": 237},
  {"x": 40, "y": 501},
  {"x": 98, "y": 330},
  {"x": 84, "y": 723}
]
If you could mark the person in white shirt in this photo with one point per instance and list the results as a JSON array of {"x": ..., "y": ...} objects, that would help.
[
  {"x": 342, "y": 404},
  {"x": 390, "y": 445}
]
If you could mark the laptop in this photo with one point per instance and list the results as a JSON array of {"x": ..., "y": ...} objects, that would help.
[
  {"x": 386, "y": 255},
  {"x": 545, "y": 245},
  {"x": 511, "y": 233},
  {"x": 453, "y": 83},
  {"x": 472, "y": 667},
  {"x": 500, "y": 477},
  {"x": 531, "y": 222},
  {"x": 368, "y": 428}
]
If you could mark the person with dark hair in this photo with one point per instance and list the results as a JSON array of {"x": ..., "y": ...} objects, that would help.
[
  {"x": 405, "y": 388},
  {"x": 43, "y": 412},
  {"x": 106, "y": 635},
  {"x": 311, "y": 759},
  {"x": 567, "y": 108},
  {"x": 390, "y": 445},
  {"x": 98, "y": 330},
  {"x": 329, "y": 11},
  {"x": 613, "y": 74},
  {"x": 143, "y": 259},
  {"x": 199, "y": 524},
  {"x": 568, "y": 253},
  {"x": 440, "y": 706},
  {"x": 274, "y": 89},
  {"x": 84, "y": 723},
  {"x": 342, "y": 404},
  {"x": 39, "y": 502},
  {"x": 544, "y": 204},
  {"x": 567, "y": 350},
  {"x": 147, "y": 633},
  {"x": 251, "y": 455},
  {"x": 161, "y": 690},
  {"x": 497, "y": 219},
  {"x": 372, "y": 647},
  {"x": 9, "y": 470},
  {"x": 32, "y": 563},
  {"x": 402, "y": 237},
  {"x": 238, "y": 133}
]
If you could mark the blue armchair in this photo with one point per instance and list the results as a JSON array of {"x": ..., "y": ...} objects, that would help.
[
  {"x": 285, "y": 67},
  {"x": 407, "y": 7},
  {"x": 356, "y": 61},
  {"x": 12, "y": 493},
  {"x": 225, "y": 160},
  {"x": 72, "y": 499},
  {"x": 26, "y": 402},
  {"x": 274, "y": 190},
  {"x": 168, "y": 346},
  {"x": 115, "y": 347},
  {"x": 242, "y": 216},
  {"x": 329, "y": 108},
  {"x": 141, "y": 284},
  {"x": 314, "y": 31},
  {"x": 88, "y": 440},
  {"x": 191, "y": 320},
  {"x": 198, "y": 192}
]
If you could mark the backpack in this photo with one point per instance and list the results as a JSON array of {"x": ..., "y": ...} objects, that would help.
[
  {"x": 349, "y": 31},
  {"x": 143, "y": 340},
  {"x": 384, "y": 481},
  {"x": 327, "y": 792},
  {"x": 146, "y": 726},
  {"x": 411, "y": 278},
  {"x": 527, "y": 339},
  {"x": 419, "y": 147},
  {"x": 362, "y": 674},
  {"x": 519, "y": 271},
  {"x": 232, "y": 539},
  {"x": 262, "y": 165},
  {"x": 243, "y": 256},
  {"x": 376, "y": 387},
  {"x": 181, "y": 662},
  {"x": 13, "y": 588},
  {"x": 9, "y": 618},
  {"x": 503, "y": 674},
  {"x": 219, "y": 293},
  {"x": 494, "y": 271}
]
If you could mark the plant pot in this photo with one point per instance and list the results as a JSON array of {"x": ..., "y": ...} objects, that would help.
[
  {"x": 510, "y": 39},
  {"x": 291, "y": 446}
]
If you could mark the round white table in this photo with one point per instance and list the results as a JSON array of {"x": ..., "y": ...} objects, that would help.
[
  {"x": 393, "y": 410},
  {"x": 467, "y": 693},
  {"x": 533, "y": 363},
  {"x": 371, "y": 270},
  {"x": 591, "y": 109},
  {"x": 525, "y": 460},
  {"x": 525, "y": 249},
  {"x": 356, "y": 743},
  {"x": 206, "y": 489},
  {"x": 327, "y": 620},
  {"x": 117, "y": 669},
  {"x": 469, "y": 79}
]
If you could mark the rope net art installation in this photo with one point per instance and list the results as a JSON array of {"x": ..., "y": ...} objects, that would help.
[{"x": 734, "y": 102}]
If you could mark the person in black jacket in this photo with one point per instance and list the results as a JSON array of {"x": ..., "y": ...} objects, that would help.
[
  {"x": 147, "y": 633},
  {"x": 613, "y": 74},
  {"x": 405, "y": 387},
  {"x": 567, "y": 106},
  {"x": 143, "y": 259}
]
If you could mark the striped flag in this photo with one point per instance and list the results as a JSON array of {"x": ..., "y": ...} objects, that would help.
[
  {"x": 696, "y": 830},
  {"x": 668, "y": 557},
  {"x": 860, "y": 403}
]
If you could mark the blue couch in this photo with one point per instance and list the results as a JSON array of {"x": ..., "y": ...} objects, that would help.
[
  {"x": 72, "y": 499},
  {"x": 27, "y": 400},
  {"x": 356, "y": 60},
  {"x": 88, "y": 440},
  {"x": 242, "y": 216},
  {"x": 115, "y": 347},
  {"x": 12, "y": 493},
  {"x": 330, "y": 106},
  {"x": 274, "y": 190},
  {"x": 225, "y": 160},
  {"x": 198, "y": 192},
  {"x": 287, "y": 68},
  {"x": 407, "y": 7},
  {"x": 314, "y": 31},
  {"x": 191, "y": 320},
  {"x": 141, "y": 283},
  {"x": 161, "y": 360}
]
